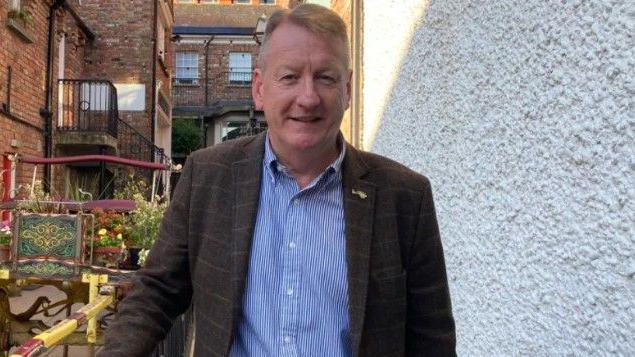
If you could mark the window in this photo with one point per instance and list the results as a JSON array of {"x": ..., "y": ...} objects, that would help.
[
  {"x": 14, "y": 5},
  {"x": 232, "y": 129},
  {"x": 268, "y": 2},
  {"x": 240, "y": 68},
  {"x": 186, "y": 68},
  {"x": 241, "y": 1},
  {"x": 209, "y": 1}
]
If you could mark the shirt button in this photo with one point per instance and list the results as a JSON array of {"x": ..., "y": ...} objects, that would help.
[
  {"x": 296, "y": 201},
  {"x": 292, "y": 245},
  {"x": 287, "y": 339},
  {"x": 289, "y": 291}
]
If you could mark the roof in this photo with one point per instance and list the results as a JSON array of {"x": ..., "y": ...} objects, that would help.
[
  {"x": 213, "y": 15},
  {"x": 195, "y": 30}
]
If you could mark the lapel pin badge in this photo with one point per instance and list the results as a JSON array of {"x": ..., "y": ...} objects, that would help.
[{"x": 359, "y": 193}]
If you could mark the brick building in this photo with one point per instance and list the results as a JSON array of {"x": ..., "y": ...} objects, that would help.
[{"x": 84, "y": 77}]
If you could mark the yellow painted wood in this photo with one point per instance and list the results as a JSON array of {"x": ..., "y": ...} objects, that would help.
[
  {"x": 103, "y": 278},
  {"x": 93, "y": 309},
  {"x": 91, "y": 329},
  {"x": 57, "y": 333}
]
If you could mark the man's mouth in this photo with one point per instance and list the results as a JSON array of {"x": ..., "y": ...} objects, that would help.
[{"x": 305, "y": 119}]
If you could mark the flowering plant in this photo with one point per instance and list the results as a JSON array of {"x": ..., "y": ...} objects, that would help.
[
  {"x": 5, "y": 233},
  {"x": 145, "y": 222},
  {"x": 143, "y": 256},
  {"x": 110, "y": 229}
]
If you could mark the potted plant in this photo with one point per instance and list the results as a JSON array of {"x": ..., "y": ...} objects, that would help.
[
  {"x": 143, "y": 227},
  {"x": 5, "y": 240},
  {"x": 21, "y": 14},
  {"x": 108, "y": 240}
]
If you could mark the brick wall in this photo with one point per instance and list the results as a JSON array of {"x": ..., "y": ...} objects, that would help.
[
  {"x": 123, "y": 53},
  {"x": 218, "y": 77},
  {"x": 122, "y": 50},
  {"x": 205, "y": 15},
  {"x": 24, "y": 50}
]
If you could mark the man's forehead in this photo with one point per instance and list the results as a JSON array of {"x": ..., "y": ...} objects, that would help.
[
  {"x": 320, "y": 47},
  {"x": 288, "y": 29}
]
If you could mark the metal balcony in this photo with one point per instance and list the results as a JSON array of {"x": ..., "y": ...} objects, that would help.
[{"x": 87, "y": 106}]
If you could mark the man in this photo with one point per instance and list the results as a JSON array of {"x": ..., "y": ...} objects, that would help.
[{"x": 292, "y": 242}]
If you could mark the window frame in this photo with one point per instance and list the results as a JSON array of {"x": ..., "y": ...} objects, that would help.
[
  {"x": 239, "y": 75},
  {"x": 183, "y": 64},
  {"x": 15, "y": 5}
]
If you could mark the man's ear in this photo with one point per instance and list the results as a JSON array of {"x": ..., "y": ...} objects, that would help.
[{"x": 256, "y": 88}]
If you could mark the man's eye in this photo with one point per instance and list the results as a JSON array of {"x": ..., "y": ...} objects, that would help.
[
  {"x": 327, "y": 79},
  {"x": 288, "y": 77}
]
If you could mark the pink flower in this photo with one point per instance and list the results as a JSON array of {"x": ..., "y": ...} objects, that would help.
[{"x": 5, "y": 228}]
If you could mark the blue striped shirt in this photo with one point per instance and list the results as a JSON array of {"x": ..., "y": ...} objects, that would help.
[{"x": 296, "y": 301}]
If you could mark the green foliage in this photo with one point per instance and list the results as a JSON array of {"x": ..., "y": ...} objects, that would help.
[
  {"x": 132, "y": 186},
  {"x": 83, "y": 187},
  {"x": 21, "y": 14},
  {"x": 35, "y": 200},
  {"x": 186, "y": 136},
  {"x": 145, "y": 221}
]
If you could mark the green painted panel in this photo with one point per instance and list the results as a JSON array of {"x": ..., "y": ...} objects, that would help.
[
  {"x": 45, "y": 269},
  {"x": 49, "y": 236}
]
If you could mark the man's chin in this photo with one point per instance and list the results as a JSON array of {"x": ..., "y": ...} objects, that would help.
[{"x": 304, "y": 143}]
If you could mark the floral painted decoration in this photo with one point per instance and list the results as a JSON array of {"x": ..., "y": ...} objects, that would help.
[{"x": 5, "y": 233}]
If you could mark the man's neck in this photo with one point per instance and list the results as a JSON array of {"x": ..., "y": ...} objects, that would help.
[{"x": 305, "y": 166}]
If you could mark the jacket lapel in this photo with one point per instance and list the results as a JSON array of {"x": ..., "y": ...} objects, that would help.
[
  {"x": 359, "y": 211},
  {"x": 246, "y": 188}
]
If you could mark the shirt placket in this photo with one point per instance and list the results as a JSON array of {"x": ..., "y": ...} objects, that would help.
[{"x": 290, "y": 269}]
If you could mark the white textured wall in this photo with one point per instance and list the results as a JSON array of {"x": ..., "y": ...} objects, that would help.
[{"x": 521, "y": 114}]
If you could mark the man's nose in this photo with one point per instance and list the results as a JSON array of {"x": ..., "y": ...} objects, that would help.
[{"x": 308, "y": 96}]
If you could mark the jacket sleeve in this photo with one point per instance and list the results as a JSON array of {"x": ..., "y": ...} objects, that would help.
[
  {"x": 430, "y": 325},
  {"x": 162, "y": 290}
]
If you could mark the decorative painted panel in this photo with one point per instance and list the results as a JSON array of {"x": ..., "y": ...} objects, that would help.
[
  {"x": 45, "y": 269},
  {"x": 54, "y": 236}
]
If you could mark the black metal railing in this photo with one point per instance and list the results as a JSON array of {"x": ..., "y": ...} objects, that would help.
[
  {"x": 199, "y": 92},
  {"x": 180, "y": 339},
  {"x": 87, "y": 105},
  {"x": 134, "y": 145}
]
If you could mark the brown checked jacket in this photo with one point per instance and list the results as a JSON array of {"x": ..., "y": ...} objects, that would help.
[{"x": 399, "y": 304}]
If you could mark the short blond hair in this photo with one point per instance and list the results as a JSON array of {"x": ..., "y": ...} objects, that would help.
[{"x": 317, "y": 19}]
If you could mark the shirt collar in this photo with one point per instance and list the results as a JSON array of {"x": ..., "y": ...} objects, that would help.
[{"x": 273, "y": 166}]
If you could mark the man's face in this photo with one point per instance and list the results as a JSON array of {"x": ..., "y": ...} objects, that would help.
[{"x": 304, "y": 89}]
